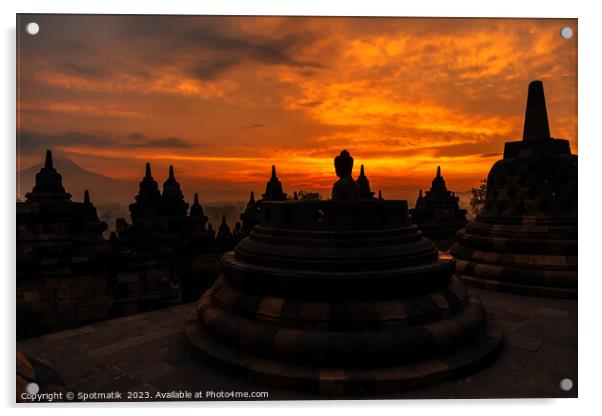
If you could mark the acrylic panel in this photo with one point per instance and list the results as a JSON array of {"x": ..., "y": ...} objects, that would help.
[{"x": 277, "y": 208}]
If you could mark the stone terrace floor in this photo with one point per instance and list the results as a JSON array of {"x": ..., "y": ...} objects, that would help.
[{"x": 149, "y": 353}]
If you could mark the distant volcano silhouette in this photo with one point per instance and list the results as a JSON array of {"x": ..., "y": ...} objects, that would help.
[{"x": 103, "y": 189}]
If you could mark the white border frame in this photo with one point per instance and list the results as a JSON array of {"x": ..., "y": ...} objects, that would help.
[{"x": 590, "y": 149}]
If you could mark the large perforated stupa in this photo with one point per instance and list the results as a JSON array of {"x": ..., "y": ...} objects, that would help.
[{"x": 525, "y": 241}]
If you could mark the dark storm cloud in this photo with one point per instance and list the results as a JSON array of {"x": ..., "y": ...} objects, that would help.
[
  {"x": 311, "y": 104},
  {"x": 204, "y": 47},
  {"x": 259, "y": 49},
  {"x": 136, "y": 136},
  {"x": 220, "y": 43},
  {"x": 140, "y": 140},
  {"x": 486, "y": 147},
  {"x": 32, "y": 142},
  {"x": 254, "y": 126},
  {"x": 228, "y": 51},
  {"x": 209, "y": 70},
  {"x": 167, "y": 142},
  {"x": 85, "y": 70}
]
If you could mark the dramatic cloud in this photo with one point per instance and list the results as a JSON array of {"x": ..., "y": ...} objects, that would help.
[
  {"x": 226, "y": 97},
  {"x": 167, "y": 142},
  {"x": 83, "y": 70},
  {"x": 254, "y": 126},
  {"x": 35, "y": 142}
]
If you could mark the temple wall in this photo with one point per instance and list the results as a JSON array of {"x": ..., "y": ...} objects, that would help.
[{"x": 55, "y": 302}]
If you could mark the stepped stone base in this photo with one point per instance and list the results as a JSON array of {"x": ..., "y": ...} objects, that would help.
[
  {"x": 518, "y": 289},
  {"x": 473, "y": 356}
]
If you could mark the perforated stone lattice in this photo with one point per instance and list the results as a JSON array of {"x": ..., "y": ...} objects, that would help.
[{"x": 546, "y": 186}]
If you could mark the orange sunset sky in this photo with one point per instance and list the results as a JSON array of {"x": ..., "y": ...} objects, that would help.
[{"x": 224, "y": 98}]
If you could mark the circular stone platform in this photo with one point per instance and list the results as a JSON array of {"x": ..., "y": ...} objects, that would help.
[
  {"x": 341, "y": 298},
  {"x": 342, "y": 381}
]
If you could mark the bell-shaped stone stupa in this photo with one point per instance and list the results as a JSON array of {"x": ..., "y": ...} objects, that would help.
[
  {"x": 525, "y": 240},
  {"x": 438, "y": 214}
]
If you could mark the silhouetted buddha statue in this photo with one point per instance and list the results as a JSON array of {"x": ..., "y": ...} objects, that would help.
[{"x": 345, "y": 188}]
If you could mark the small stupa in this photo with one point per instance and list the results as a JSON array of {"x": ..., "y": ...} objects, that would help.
[
  {"x": 250, "y": 216},
  {"x": 224, "y": 235},
  {"x": 363, "y": 185},
  {"x": 172, "y": 198},
  {"x": 273, "y": 189},
  {"x": 49, "y": 183},
  {"x": 147, "y": 206},
  {"x": 438, "y": 214},
  {"x": 197, "y": 219}
]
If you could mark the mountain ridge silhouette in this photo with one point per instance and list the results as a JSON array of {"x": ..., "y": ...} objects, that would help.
[{"x": 103, "y": 189}]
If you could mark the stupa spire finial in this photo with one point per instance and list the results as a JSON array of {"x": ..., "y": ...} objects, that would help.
[
  {"x": 48, "y": 162},
  {"x": 438, "y": 171},
  {"x": 196, "y": 198},
  {"x": 148, "y": 171},
  {"x": 171, "y": 174},
  {"x": 536, "y": 115},
  {"x": 86, "y": 197},
  {"x": 252, "y": 198},
  {"x": 274, "y": 172},
  {"x": 362, "y": 170}
]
